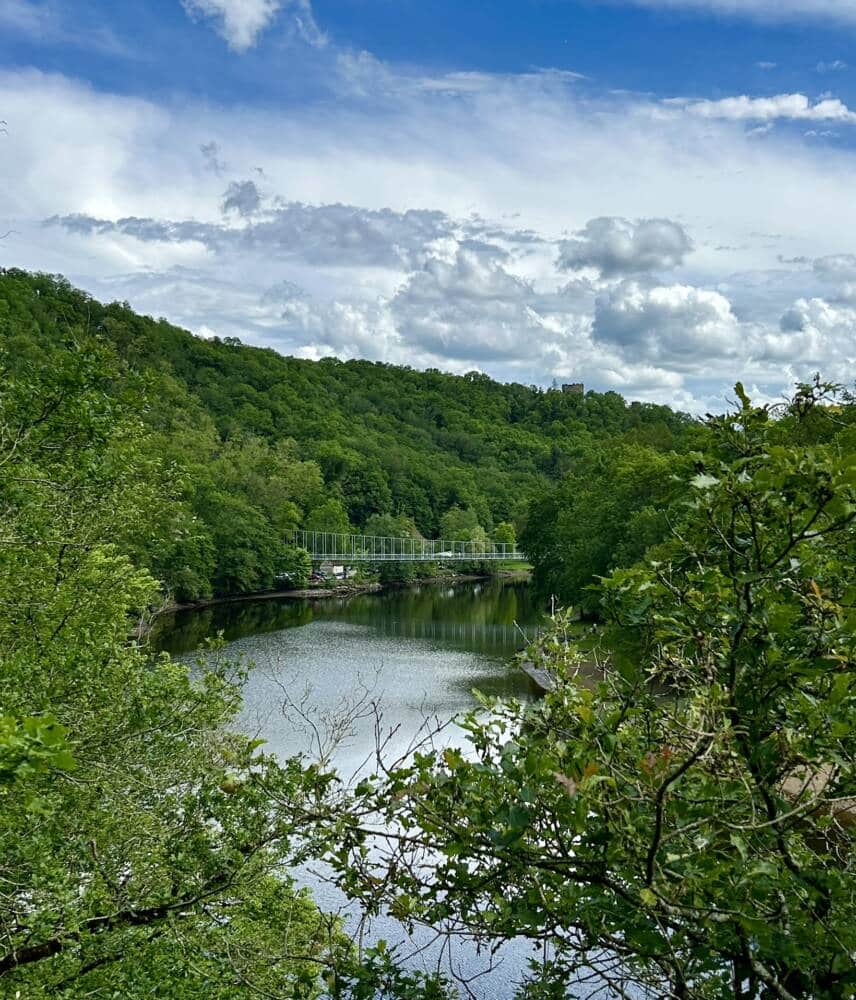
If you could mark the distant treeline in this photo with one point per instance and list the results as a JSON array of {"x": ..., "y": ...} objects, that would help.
[{"x": 254, "y": 444}]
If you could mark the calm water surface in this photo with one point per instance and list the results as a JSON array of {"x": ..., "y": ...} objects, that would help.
[{"x": 419, "y": 652}]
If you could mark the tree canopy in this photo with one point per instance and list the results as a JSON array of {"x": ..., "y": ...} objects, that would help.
[
  {"x": 680, "y": 821},
  {"x": 683, "y": 823},
  {"x": 254, "y": 444}
]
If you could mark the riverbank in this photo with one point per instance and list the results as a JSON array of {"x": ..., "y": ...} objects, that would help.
[{"x": 545, "y": 681}]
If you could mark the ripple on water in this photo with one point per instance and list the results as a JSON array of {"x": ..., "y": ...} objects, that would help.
[{"x": 328, "y": 658}]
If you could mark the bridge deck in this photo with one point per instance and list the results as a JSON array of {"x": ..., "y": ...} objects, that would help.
[{"x": 327, "y": 546}]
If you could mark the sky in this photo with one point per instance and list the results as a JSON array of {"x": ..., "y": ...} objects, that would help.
[{"x": 654, "y": 197}]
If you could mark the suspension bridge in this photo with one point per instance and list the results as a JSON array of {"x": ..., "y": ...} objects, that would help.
[{"x": 329, "y": 546}]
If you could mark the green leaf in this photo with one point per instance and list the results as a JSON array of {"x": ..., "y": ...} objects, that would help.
[{"x": 703, "y": 481}]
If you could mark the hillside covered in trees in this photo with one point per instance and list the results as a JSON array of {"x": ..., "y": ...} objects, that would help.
[
  {"x": 678, "y": 824},
  {"x": 251, "y": 444}
]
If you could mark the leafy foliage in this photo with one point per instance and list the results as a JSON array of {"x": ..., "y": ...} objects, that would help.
[
  {"x": 682, "y": 821},
  {"x": 251, "y": 444},
  {"x": 137, "y": 842},
  {"x": 687, "y": 824},
  {"x": 29, "y": 746},
  {"x": 607, "y": 512}
]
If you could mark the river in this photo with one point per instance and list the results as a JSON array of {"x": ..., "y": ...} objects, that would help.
[{"x": 420, "y": 650}]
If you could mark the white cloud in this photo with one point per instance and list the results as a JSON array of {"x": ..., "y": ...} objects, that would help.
[
  {"x": 242, "y": 197},
  {"x": 241, "y": 22},
  {"x": 822, "y": 335},
  {"x": 480, "y": 82},
  {"x": 796, "y": 107},
  {"x": 46, "y": 23},
  {"x": 618, "y": 246},
  {"x": 362, "y": 74},
  {"x": 839, "y": 270},
  {"x": 836, "y": 267},
  {"x": 25, "y": 17},
  {"x": 672, "y": 325},
  {"x": 320, "y": 235},
  {"x": 469, "y": 307},
  {"x": 409, "y": 229},
  {"x": 835, "y": 11},
  {"x": 834, "y": 66}
]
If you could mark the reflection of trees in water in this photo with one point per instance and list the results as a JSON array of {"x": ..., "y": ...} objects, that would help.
[
  {"x": 472, "y": 635},
  {"x": 188, "y": 630},
  {"x": 476, "y": 615},
  {"x": 491, "y": 602}
]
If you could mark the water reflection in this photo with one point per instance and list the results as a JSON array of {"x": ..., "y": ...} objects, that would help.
[
  {"x": 421, "y": 651},
  {"x": 493, "y": 616}
]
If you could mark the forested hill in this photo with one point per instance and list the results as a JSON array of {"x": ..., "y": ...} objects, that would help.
[
  {"x": 280, "y": 441},
  {"x": 146, "y": 843}
]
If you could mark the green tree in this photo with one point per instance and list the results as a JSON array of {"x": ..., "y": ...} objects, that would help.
[
  {"x": 401, "y": 530},
  {"x": 367, "y": 492},
  {"x": 283, "y": 435},
  {"x": 140, "y": 853},
  {"x": 506, "y": 534},
  {"x": 686, "y": 825},
  {"x": 31, "y": 746},
  {"x": 460, "y": 525},
  {"x": 296, "y": 566},
  {"x": 250, "y": 551},
  {"x": 329, "y": 516},
  {"x": 604, "y": 514}
]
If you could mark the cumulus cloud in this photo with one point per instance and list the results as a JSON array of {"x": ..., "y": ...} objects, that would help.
[
  {"x": 241, "y": 22},
  {"x": 320, "y": 328},
  {"x": 820, "y": 333},
  {"x": 839, "y": 270},
  {"x": 468, "y": 306},
  {"x": 795, "y": 107},
  {"x": 617, "y": 246},
  {"x": 836, "y": 267},
  {"x": 673, "y": 324},
  {"x": 429, "y": 245},
  {"x": 819, "y": 315}
]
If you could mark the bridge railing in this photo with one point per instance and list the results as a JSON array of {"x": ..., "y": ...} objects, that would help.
[{"x": 332, "y": 546}]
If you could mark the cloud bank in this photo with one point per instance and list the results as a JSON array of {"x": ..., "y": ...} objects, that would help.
[{"x": 662, "y": 257}]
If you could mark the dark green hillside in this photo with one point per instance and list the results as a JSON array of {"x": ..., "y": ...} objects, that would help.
[
  {"x": 685, "y": 817},
  {"x": 377, "y": 439}
]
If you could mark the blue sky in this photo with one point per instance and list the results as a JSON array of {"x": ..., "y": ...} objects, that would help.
[
  {"x": 650, "y": 195},
  {"x": 155, "y": 48}
]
